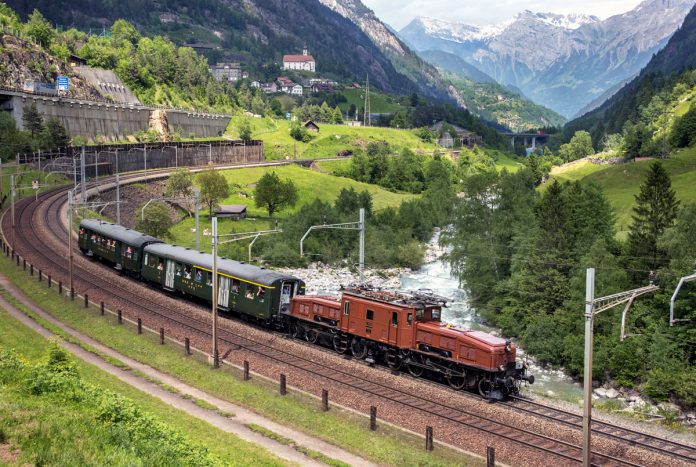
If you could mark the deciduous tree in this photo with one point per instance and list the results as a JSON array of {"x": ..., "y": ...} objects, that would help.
[
  {"x": 155, "y": 221},
  {"x": 214, "y": 188},
  {"x": 274, "y": 194}
]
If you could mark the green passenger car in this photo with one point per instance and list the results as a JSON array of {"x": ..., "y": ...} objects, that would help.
[
  {"x": 254, "y": 291},
  {"x": 114, "y": 243}
]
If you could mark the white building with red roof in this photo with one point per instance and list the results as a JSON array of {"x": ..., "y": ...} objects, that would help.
[{"x": 304, "y": 62}]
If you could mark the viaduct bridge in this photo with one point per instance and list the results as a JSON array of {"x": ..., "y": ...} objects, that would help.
[{"x": 530, "y": 140}]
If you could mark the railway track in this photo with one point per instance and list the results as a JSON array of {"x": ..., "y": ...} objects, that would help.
[{"x": 33, "y": 215}]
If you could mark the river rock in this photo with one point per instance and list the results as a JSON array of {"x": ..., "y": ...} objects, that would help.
[
  {"x": 600, "y": 392},
  {"x": 668, "y": 407},
  {"x": 550, "y": 393},
  {"x": 611, "y": 393}
]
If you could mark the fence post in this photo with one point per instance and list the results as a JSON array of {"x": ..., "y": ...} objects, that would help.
[
  {"x": 161, "y": 336},
  {"x": 86, "y": 301},
  {"x": 428, "y": 438},
  {"x": 324, "y": 400},
  {"x": 187, "y": 345},
  {"x": 60, "y": 287},
  {"x": 31, "y": 269},
  {"x": 24, "y": 264},
  {"x": 72, "y": 293},
  {"x": 40, "y": 275},
  {"x": 140, "y": 326},
  {"x": 17, "y": 260},
  {"x": 50, "y": 281},
  {"x": 101, "y": 308},
  {"x": 490, "y": 456},
  {"x": 373, "y": 418},
  {"x": 246, "y": 370},
  {"x": 283, "y": 388},
  {"x": 120, "y": 317}
]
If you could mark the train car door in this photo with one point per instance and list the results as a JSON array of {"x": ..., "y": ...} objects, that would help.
[
  {"x": 169, "y": 276},
  {"x": 286, "y": 292},
  {"x": 224, "y": 292},
  {"x": 394, "y": 328}
]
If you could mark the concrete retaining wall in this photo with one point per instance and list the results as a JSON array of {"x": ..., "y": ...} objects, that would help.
[{"x": 113, "y": 121}]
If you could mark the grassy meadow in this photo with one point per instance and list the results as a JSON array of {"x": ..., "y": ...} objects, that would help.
[
  {"x": 622, "y": 182},
  {"x": 311, "y": 184},
  {"x": 278, "y": 144}
]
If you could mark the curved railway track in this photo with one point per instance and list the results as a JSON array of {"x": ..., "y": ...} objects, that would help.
[{"x": 33, "y": 215}]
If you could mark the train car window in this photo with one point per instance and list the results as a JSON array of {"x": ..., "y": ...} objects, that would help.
[
  {"x": 235, "y": 286},
  {"x": 419, "y": 314},
  {"x": 187, "y": 272},
  {"x": 436, "y": 314},
  {"x": 127, "y": 252},
  {"x": 160, "y": 265},
  {"x": 261, "y": 294},
  {"x": 395, "y": 318},
  {"x": 249, "y": 292},
  {"x": 370, "y": 315},
  {"x": 199, "y": 275},
  {"x": 179, "y": 268},
  {"x": 346, "y": 307},
  {"x": 409, "y": 319}
]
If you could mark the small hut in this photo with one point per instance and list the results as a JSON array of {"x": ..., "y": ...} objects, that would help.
[
  {"x": 231, "y": 211},
  {"x": 311, "y": 126}
]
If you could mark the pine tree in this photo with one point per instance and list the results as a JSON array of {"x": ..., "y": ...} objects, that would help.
[
  {"x": 655, "y": 211},
  {"x": 337, "y": 116},
  {"x": 54, "y": 134},
  {"x": 33, "y": 121}
]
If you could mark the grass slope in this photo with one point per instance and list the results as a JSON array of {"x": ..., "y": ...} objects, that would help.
[
  {"x": 387, "y": 446},
  {"x": 68, "y": 433},
  {"x": 311, "y": 185},
  {"x": 278, "y": 144},
  {"x": 379, "y": 103},
  {"x": 622, "y": 182}
]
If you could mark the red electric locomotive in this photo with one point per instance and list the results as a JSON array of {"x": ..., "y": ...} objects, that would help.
[{"x": 405, "y": 330}]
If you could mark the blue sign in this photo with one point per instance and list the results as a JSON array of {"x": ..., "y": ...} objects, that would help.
[
  {"x": 288, "y": 115},
  {"x": 63, "y": 83}
]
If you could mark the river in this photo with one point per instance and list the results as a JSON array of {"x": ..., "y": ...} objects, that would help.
[{"x": 436, "y": 276}]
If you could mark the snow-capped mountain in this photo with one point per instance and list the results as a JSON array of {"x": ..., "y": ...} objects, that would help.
[{"x": 561, "y": 61}]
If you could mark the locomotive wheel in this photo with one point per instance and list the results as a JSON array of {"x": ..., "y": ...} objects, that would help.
[
  {"x": 312, "y": 336},
  {"x": 358, "y": 349},
  {"x": 412, "y": 365},
  {"x": 296, "y": 331},
  {"x": 456, "y": 377},
  {"x": 484, "y": 387},
  {"x": 340, "y": 344},
  {"x": 394, "y": 361}
]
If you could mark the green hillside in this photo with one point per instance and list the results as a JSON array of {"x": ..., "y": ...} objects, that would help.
[
  {"x": 311, "y": 184},
  {"x": 379, "y": 103},
  {"x": 328, "y": 142},
  {"x": 622, "y": 182}
]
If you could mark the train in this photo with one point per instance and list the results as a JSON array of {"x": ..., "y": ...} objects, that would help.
[{"x": 404, "y": 330}]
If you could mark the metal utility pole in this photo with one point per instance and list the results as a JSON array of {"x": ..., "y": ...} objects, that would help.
[
  {"x": 360, "y": 225},
  {"x": 12, "y": 201},
  {"x": 682, "y": 281},
  {"x": 70, "y": 248},
  {"x": 593, "y": 307},
  {"x": 118, "y": 199},
  {"x": 196, "y": 196},
  {"x": 83, "y": 181},
  {"x": 216, "y": 362},
  {"x": 367, "y": 118}
]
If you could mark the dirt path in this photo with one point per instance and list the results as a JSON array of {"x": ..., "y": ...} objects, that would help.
[{"x": 236, "y": 425}]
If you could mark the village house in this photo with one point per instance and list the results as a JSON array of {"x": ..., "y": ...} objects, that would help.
[
  {"x": 227, "y": 71},
  {"x": 269, "y": 88},
  {"x": 463, "y": 138},
  {"x": 288, "y": 86},
  {"x": 304, "y": 62}
]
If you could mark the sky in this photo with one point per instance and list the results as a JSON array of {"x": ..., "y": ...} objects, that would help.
[{"x": 398, "y": 13}]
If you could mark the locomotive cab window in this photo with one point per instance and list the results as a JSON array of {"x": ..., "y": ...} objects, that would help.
[
  {"x": 346, "y": 307},
  {"x": 435, "y": 314},
  {"x": 395, "y": 318},
  {"x": 369, "y": 315},
  {"x": 409, "y": 319},
  {"x": 419, "y": 314}
]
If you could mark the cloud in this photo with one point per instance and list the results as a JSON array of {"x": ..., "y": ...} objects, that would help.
[{"x": 480, "y": 12}]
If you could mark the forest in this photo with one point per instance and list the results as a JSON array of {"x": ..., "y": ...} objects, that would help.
[{"x": 522, "y": 256}]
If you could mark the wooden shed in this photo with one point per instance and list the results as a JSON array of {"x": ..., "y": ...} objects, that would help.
[
  {"x": 231, "y": 211},
  {"x": 311, "y": 126}
]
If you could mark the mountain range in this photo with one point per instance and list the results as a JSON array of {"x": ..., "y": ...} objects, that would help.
[{"x": 563, "y": 62}]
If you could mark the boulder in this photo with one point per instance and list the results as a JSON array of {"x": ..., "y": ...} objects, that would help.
[
  {"x": 600, "y": 392},
  {"x": 611, "y": 393}
]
